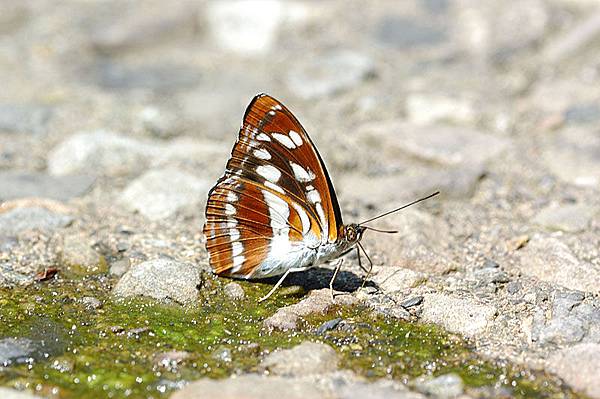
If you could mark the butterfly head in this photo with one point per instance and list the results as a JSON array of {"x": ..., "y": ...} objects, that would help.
[{"x": 352, "y": 233}]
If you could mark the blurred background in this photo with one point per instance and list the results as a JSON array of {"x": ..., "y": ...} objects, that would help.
[{"x": 401, "y": 97}]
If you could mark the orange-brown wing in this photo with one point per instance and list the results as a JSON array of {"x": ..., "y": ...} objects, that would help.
[
  {"x": 275, "y": 203},
  {"x": 270, "y": 127}
]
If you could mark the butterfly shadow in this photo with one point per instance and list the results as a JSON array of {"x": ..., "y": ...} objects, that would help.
[{"x": 319, "y": 278}]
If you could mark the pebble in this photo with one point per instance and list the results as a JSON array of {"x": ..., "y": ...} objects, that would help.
[
  {"x": 330, "y": 74},
  {"x": 158, "y": 194},
  {"x": 443, "y": 144},
  {"x": 119, "y": 267},
  {"x": 154, "y": 77},
  {"x": 161, "y": 279},
  {"x": 170, "y": 359},
  {"x": 78, "y": 253},
  {"x": 402, "y": 33},
  {"x": 574, "y": 156},
  {"x": 459, "y": 315},
  {"x": 488, "y": 29},
  {"x": 578, "y": 366},
  {"x": 8, "y": 393},
  {"x": 100, "y": 152},
  {"x": 234, "y": 291},
  {"x": 430, "y": 108},
  {"x": 304, "y": 359},
  {"x": 18, "y": 220},
  {"x": 568, "y": 217},
  {"x": 551, "y": 260},
  {"x": 15, "y": 350},
  {"x": 24, "y": 118},
  {"x": 411, "y": 302},
  {"x": 392, "y": 279},
  {"x": 582, "y": 113},
  {"x": 20, "y": 184},
  {"x": 445, "y": 386},
  {"x": 573, "y": 40},
  {"x": 317, "y": 301},
  {"x": 250, "y": 386},
  {"x": 91, "y": 303},
  {"x": 250, "y": 27},
  {"x": 129, "y": 31},
  {"x": 327, "y": 326}
]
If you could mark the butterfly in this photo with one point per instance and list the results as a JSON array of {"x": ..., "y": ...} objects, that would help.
[{"x": 275, "y": 210}]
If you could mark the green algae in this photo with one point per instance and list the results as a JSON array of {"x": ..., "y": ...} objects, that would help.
[{"x": 111, "y": 351}]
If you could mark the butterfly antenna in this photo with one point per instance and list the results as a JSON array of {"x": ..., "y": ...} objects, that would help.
[
  {"x": 380, "y": 231},
  {"x": 400, "y": 208}
]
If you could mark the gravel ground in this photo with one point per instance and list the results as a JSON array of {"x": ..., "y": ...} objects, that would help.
[{"x": 117, "y": 117}]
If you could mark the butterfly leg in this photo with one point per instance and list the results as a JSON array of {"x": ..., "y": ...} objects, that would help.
[
  {"x": 288, "y": 271},
  {"x": 335, "y": 273},
  {"x": 370, "y": 269}
]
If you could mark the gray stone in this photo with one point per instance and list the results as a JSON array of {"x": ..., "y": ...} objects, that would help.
[
  {"x": 582, "y": 113},
  {"x": 488, "y": 275},
  {"x": 317, "y": 301},
  {"x": 574, "y": 156},
  {"x": 304, "y": 359},
  {"x": 161, "y": 279},
  {"x": 234, "y": 291},
  {"x": 330, "y": 74},
  {"x": 442, "y": 144},
  {"x": 445, "y": 386},
  {"x": 328, "y": 326},
  {"x": 568, "y": 217},
  {"x": 24, "y": 118},
  {"x": 495, "y": 32},
  {"x": 460, "y": 315},
  {"x": 15, "y": 350},
  {"x": 404, "y": 33},
  {"x": 154, "y": 77},
  {"x": 119, "y": 267},
  {"x": 564, "y": 302},
  {"x": 18, "y": 220},
  {"x": 549, "y": 259},
  {"x": 159, "y": 122},
  {"x": 133, "y": 30},
  {"x": 578, "y": 366},
  {"x": 562, "y": 330},
  {"x": 8, "y": 393},
  {"x": 101, "y": 152},
  {"x": 159, "y": 194},
  {"x": 564, "y": 46},
  {"x": 421, "y": 249},
  {"x": 250, "y": 386},
  {"x": 411, "y": 302},
  {"x": 381, "y": 389},
  {"x": 17, "y": 184},
  {"x": 91, "y": 303},
  {"x": 77, "y": 250},
  {"x": 391, "y": 279},
  {"x": 12, "y": 17}
]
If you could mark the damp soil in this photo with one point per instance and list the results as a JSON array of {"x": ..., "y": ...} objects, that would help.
[{"x": 111, "y": 351}]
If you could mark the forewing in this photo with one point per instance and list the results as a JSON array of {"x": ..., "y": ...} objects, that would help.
[{"x": 275, "y": 199}]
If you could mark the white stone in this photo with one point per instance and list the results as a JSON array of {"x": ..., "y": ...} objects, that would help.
[
  {"x": 459, "y": 315},
  {"x": 158, "y": 194}
]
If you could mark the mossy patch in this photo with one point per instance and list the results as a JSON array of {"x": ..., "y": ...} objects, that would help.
[{"x": 111, "y": 351}]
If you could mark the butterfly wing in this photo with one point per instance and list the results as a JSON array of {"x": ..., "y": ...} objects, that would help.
[{"x": 275, "y": 205}]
